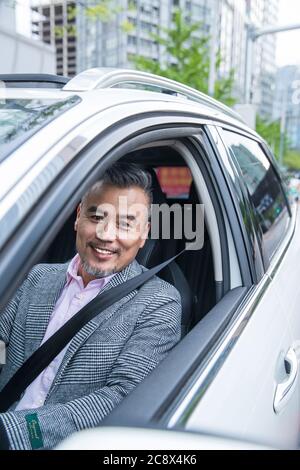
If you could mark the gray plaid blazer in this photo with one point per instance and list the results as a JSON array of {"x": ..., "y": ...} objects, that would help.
[{"x": 105, "y": 360}]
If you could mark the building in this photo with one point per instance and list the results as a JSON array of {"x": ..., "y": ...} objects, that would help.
[
  {"x": 53, "y": 21},
  {"x": 261, "y": 13},
  {"x": 21, "y": 54},
  {"x": 111, "y": 44},
  {"x": 287, "y": 102},
  {"x": 108, "y": 44}
]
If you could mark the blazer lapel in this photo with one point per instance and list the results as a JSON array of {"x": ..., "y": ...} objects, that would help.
[
  {"x": 132, "y": 270},
  {"x": 39, "y": 311}
]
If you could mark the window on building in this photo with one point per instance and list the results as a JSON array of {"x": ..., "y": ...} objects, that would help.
[
  {"x": 131, "y": 40},
  {"x": 58, "y": 9},
  {"x": 46, "y": 12}
]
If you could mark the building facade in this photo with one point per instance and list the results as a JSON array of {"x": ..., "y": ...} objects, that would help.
[
  {"x": 262, "y": 13},
  {"x": 128, "y": 28},
  {"x": 53, "y": 22},
  {"x": 21, "y": 54},
  {"x": 287, "y": 102},
  {"x": 109, "y": 45}
]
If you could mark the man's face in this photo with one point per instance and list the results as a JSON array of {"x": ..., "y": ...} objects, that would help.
[{"x": 111, "y": 225}]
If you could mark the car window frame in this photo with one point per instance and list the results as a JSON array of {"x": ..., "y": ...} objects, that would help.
[
  {"x": 266, "y": 259},
  {"x": 80, "y": 173},
  {"x": 61, "y": 200},
  {"x": 241, "y": 204}
]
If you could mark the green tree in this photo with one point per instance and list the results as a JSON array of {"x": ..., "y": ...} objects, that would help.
[
  {"x": 104, "y": 11},
  {"x": 188, "y": 59},
  {"x": 270, "y": 131},
  {"x": 292, "y": 159}
]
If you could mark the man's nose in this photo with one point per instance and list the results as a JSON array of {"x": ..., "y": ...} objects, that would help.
[{"x": 106, "y": 231}]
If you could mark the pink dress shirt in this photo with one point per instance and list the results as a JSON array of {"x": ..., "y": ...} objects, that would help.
[{"x": 73, "y": 297}]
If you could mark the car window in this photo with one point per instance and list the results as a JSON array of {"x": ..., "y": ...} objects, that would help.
[
  {"x": 20, "y": 118},
  {"x": 264, "y": 189}
]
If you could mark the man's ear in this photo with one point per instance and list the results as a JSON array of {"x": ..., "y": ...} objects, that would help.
[{"x": 78, "y": 210}]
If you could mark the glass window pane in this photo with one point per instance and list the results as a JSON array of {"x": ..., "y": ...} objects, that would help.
[
  {"x": 263, "y": 187},
  {"x": 20, "y": 118}
]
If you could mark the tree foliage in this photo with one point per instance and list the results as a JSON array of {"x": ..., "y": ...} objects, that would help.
[
  {"x": 292, "y": 159},
  {"x": 270, "y": 131},
  {"x": 187, "y": 58},
  {"x": 104, "y": 11}
]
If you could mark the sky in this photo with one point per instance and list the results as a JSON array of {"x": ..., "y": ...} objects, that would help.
[{"x": 288, "y": 43}]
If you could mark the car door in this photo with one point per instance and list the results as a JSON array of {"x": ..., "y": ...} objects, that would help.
[
  {"x": 230, "y": 375},
  {"x": 239, "y": 346},
  {"x": 255, "y": 394}
]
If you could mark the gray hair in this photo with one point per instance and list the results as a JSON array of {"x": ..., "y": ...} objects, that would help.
[{"x": 124, "y": 175}]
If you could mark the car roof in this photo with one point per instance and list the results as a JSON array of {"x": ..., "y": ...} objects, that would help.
[
  {"x": 100, "y": 99},
  {"x": 107, "y": 78},
  {"x": 93, "y": 101}
]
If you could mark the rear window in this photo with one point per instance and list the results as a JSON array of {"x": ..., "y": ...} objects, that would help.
[{"x": 21, "y": 118}]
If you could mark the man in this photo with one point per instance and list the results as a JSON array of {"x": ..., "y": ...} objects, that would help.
[{"x": 113, "y": 352}]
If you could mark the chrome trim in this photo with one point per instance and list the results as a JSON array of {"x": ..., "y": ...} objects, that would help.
[
  {"x": 206, "y": 372},
  {"x": 103, "y": 77}
]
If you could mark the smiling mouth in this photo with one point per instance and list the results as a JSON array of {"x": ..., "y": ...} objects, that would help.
[{"x": 103, "y": 251}]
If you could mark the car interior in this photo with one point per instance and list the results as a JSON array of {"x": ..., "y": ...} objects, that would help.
[{"x": 193, "y": 271}]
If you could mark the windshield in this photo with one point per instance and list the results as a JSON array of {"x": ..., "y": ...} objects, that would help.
[{"x": 20, "y": 118}]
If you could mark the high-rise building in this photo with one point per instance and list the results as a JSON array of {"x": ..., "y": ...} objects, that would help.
[
  {"x": 259, "y": 14},
  {"x": 108, "y": 44},
  {"x": 21, "y": 54},
  {"x": 111, "y": 44},
  {"x": 287, "y": 102},
  {"x": 128, "y": 32},
  {"x": 54, "y": 23}
]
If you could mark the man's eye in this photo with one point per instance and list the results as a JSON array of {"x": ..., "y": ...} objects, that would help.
[{"x": 97, "y": 218}]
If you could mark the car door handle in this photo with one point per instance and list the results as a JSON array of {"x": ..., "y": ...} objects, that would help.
[{"x": 285, "y": 389}]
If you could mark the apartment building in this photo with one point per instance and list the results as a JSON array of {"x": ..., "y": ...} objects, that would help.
[{"x": 54, "y": 22}]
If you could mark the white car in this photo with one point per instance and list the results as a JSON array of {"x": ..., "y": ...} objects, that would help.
[{"x": 235, "y": 373}]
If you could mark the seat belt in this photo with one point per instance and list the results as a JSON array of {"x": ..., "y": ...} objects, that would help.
[{"x": 45, "y": 354}]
